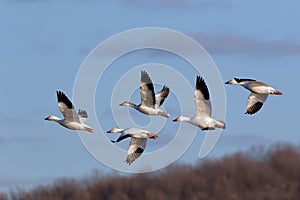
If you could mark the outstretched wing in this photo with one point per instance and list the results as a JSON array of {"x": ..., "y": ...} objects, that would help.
[
  {"x": 255, "y": 102},
  {"x": 201, "y": 98},
  {"x": 66, "y": 107},
  {"x": 82, "y": 115},
  {"x": 147, "y": 90},
  {"x": 161, "y": 96},
  {"x": 121, "y": 137},
  {"x": 136, "y": 148},
  {"x": 239, "y": 80}
]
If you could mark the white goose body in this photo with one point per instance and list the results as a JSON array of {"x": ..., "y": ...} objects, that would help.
[
  {"x": 72, "y": 120},
  {"x": 202, "y": 118},
  {"x": 137, "y": 143},
  {"x": 150, "y": 102},
  {"x": 259, "y": 93},
  {"x": 72, "y": 125},
  {"x": 151, "y": 111}
]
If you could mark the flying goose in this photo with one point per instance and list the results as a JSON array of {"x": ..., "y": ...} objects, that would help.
[
  {"x": 150, "y": 102},
  {"x": 72, "y": 120},
  {"x": 202, "y": 118},
  {"x": 137, "y": 143},
  {"x": 259, "y": 93}
]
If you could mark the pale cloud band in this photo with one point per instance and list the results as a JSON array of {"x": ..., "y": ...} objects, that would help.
[{"x": 235, "y": 44}]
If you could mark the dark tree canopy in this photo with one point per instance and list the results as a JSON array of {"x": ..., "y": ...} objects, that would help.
[{"x": 257, "y": 174}]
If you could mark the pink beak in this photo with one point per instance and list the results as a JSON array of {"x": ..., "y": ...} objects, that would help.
[{"x": 278, "y": 92}]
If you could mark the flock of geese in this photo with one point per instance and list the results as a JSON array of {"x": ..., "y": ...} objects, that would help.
[{"x": 151, "y": 105}]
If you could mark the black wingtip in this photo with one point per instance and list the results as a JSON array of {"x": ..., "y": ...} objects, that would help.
[
  {"x": 201, "y": 85},
  {"x": 199, "y": 82},
  {"x": 61, "y": 97},
  {"x": 129, "y": 163},
  {"x": 243, "y": 79},
  {"x": 113, "y": 141},
  {"x": 59, "y": 93},
  {"x": 255, "y": 108},
  {"x": 144, "y": 73},
  {"x": 248, "y": 113},
  {"x": 145, "y": 77},
  {"x": 166, "y": 88},
  {"x": 164, "y": 92},
  {"x": 139, "y": 150}
]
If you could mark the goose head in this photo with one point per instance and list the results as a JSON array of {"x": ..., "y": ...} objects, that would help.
[
  {"x": 273, "y": 91},
  {"x": 152, "y": 136},
  {"x": 181, "y": 119},
  {"x": 164, "y": 114},
  {"x": 127, "y": 103},
  {"x": 220, "y": 124},
  {"x": 114, "y": 130},
  {"x": 52, "y": 118},
  {"x": 232, "y": 82}
]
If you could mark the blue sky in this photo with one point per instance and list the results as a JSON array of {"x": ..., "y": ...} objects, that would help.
[{"x": 43, "y": 44}]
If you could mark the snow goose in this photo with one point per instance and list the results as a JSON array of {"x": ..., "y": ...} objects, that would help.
[
  {"x": 150, "y": 103},
  {"x": 259, "y": 93},
  {"x": 72, "y": 120},
  {"x": 202, "y": 118},
  {"x": 137, "y": 143}
]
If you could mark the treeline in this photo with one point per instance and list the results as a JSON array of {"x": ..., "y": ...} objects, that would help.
[{"x": 258, "y": 174}]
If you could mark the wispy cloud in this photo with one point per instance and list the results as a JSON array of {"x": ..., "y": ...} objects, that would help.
[
  {"x": 46, "y": 48},
  {"x": 84, "y": 51},
  {"x": 177, "y": 4},
  {"x": 25, "y": 140},
  {"x": 226, "y": 43},
  {"x": 28, "y": 141},
  {"x": 41, "y": 1},
  {"x": 154, "y": 4},
  {"x": 13, "y": 121},
  {"x": 234, "y": 44}
]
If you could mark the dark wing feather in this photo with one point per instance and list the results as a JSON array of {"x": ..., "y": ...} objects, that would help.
[
  {"x": 161, "y": 96},
  {"x": 254, "y": 108},
  {"x": 66, "y": 107},
  {"x": 243, "y": 79},
  {"x": 255, "y": 103},
  {"x": 136, "y": 148},
  {"x": 147, "y": 90},
  {"x": 122, "y": 137},
  {"x": 82, "y": 113},
  {"x": 62, "y": 98},
  {"x": 201, "y": 98},
  {"x": 202, "y": 87}
]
